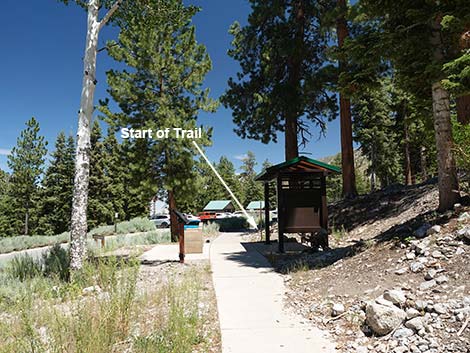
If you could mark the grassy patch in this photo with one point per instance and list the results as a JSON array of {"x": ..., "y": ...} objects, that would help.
[
  {"x": 46, "y": 314},
  {"x": 22, "y": 242}
]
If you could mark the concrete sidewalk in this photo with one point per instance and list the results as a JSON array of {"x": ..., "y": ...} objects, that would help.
[{"x": 252, "y": 314}]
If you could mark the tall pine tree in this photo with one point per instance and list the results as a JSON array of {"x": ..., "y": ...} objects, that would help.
[
  {"x": 162, "y": 90},
  {"x": 283, "y": 83},
  {"x": 26, "y": 162},
  {"x": 57, "y": 188}
]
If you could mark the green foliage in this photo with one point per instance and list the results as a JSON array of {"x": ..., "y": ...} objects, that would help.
[
  {"x": 55, "y": 202},
  {"x": 26, "y": 162},
  {"x": 252, "y": 190},
  {"x": 231, "y": 224},
  {"x": 23, "y": 267},
  {"x": 135, "y": 225},
  {"x": 462, "y": 149},
  {"x": 22, "y": 242},
  {"x": 161, "y": 87},
  {"x": 210, "y": 228},
  {"x": 285, "y": 72},
  {"x": 56, "y": 262}
]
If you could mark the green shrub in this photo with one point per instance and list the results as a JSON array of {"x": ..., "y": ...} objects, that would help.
[
  {"x": 210, "y": 228},
  {"x": 231, "y": 224},
  {"x": 23, "y": 242},
  {"x": 461, "y": 135},
  {"x": 23, "y": 267},
  {"x": 57, "y": 263}
]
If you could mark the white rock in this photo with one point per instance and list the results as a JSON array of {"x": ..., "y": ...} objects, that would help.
[
  {"x": 440, "y": 308},
  {"x": 397, "y": 297},
  {"x": 337, "y": 309},
  {"x": 401, "y": 271},
  {"x": 434, "y": 230},
  {"x": 430, "y": 275},
  {"x": 416, "y": 267},
  {"x": 411, "y": 313},
  {"x": 427, "y": 285},
  {"x": 437, "y": 254},
  {"x": 416, "y": 324},
  {"x": 410, "y": 255},
  {"x": 383, "y": 319},
  {"x": 403, "y": 332},
  {"x": 442, "y": 279}
]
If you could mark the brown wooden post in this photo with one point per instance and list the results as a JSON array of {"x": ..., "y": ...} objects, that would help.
[
  {"x": 266, "y": 213},
  {"x": 181, "y": 240},
  {"x": 324, "y": 212},
  {"x": 281, "y": 212}
]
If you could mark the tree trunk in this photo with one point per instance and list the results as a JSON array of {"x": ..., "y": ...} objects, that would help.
[
  {"x": 347, "y": 151},
  {"x": 291, "y": 144},
  {"x": 173, "y": 219},
  {"x": 78, "y": 228},
  {"x": 407, "y": 158},
  {"x": 447, "y": 173},
  {"x": 446, "y": 168},
  {"x": 463, "y": 109},
  {"x": 424, "y": 167},
  {"x": 295, "y": 67}
]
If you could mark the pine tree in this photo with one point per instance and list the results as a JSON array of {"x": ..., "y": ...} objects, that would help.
[
  {"x": 251, "y": 189},
  {"x": 26, "y": 162},
  {"x": 227, "y": 171},
  {"x": 97, "y": 208},
  {"x": 283, "y": 83},
  {"x": 6, "y": 210},
  {"x": 163, "y": 89},
  {"x": 57, "y": 188},
  {"x": 272, "y": 187},
  {"x": 418, "y": 39},
  {"x": 114, "y": 189}
]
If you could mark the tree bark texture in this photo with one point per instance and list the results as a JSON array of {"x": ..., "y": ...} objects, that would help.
[
  {"x": 173, "y": 220},
  {"x": 78, "y": 229},
  {"x": 446, "y": 167},
  {"x": 407, "y": 158},
  {"x": 447, "y": 173},
  {"x": 295, "y": 68},
  {"x": 463, "y": 109},
  {"x": 347, "y": 151}
]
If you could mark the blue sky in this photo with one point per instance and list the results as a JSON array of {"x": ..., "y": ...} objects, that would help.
[{"x": 41, "y": 60}]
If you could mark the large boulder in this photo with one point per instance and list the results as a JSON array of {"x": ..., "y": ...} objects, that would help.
[{"x": 383, "y": 319}]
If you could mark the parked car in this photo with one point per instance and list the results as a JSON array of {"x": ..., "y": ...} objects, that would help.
[
  {"x": 220, "y": 215},
  {"x": 191, "y": 217},
  {"x": 161, "y": 221},
  {"x": 238, "y": 214},
  {"x": 205, "y": 216}
]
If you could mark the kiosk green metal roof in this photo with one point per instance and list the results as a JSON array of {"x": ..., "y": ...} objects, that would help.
[
  {"x": 217, "y": 205},
  {"x": 298, "y": 164}
]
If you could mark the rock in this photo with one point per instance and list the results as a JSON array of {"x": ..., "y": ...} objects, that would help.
[
  {"x": 410, "y": 255},
  {"x": 457, "y": 207},
  {"x": 401, "y": 349},
  {"x": 464, "y": 233},
  {"x": 427, "y": 285},
  {"x": 90, "y": 290},
  {"x": 403, "y": 332},
  {"x": 434, "y": 230},
  {"x": 382, "y": 301},
  {"x": 421, "y": 231},
  {"x": 464, "y": 216},
  {"x": 337, "y": 309},
  {"x": 430, "y": 275},
  {"x": 442, "y": 279},
  {"x": 440, "y": 309},
  {"x": 416, "y": 324},
  {"x": 416, "y": 267},
  {"x": 437, "y": 254},
  {"x": 459, "y": 251},
  {"x": 383, "y": 319},
  {"x": 397, "y": 297},
  {"x": 411, "y": 313},
  {"x": 401, "y": 271},
  {"x": 420, "y": 305}
]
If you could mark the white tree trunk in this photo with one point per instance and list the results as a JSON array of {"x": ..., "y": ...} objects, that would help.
[
  {"x": 447, "y": 173},
  {"x": 78, "y": 229}
]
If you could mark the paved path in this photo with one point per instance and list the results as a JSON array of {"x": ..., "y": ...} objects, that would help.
[{"x": 253, "y": 317}]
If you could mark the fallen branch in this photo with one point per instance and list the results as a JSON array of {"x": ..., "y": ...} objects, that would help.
[
  {"x": 337, "y": 317},
  {"x": 465, "y": 324}
]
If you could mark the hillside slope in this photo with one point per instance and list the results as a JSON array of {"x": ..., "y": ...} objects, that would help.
[{"x": 396, "y": 279}]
